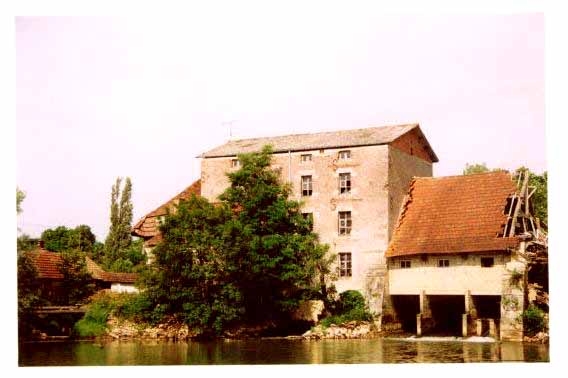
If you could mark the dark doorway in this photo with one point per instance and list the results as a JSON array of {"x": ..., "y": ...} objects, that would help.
[
  {"x": 406, "y": 307},
  {"x": 487, "y": 306},
  {"x": 447, "y": 311}
]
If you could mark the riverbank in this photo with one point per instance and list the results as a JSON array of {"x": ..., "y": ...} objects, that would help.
[{"x": 176, "y": 331}]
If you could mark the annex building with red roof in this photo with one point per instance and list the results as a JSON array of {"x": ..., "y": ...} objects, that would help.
[
  {"x": 456, "y": 258},
  {"x": 47, "y": 265}
]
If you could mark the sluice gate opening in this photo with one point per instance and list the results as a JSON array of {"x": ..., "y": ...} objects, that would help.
[
  {"x": 406, "y": 307},
  {"x": 447, "y": 311}
]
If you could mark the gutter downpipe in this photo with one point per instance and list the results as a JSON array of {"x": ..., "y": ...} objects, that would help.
[{"x": 289, "y": 166}]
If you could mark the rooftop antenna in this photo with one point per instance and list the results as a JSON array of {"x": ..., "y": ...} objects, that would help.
[{"x": 229, "y": 124}]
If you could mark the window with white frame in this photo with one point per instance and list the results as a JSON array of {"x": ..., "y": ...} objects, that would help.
[
  {"x": 344, "y": 155},
  {"x": 344, "y": 222},
  {"x": 443, "y": 263},
  {"x": 344, "y": 183},
  {"x": 404, "y": 264},
  {"x": 305, "y": 158},
  {"x": 344, "y": 264},
  {"x": 307, "y": 186}
]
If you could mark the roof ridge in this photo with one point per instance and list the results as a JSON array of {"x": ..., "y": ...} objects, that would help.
[
  {"x": 468, "y": 175},
  {"x": 325, "y": 132}
]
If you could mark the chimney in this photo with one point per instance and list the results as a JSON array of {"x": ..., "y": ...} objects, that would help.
[{"x": 40, "y": 244}]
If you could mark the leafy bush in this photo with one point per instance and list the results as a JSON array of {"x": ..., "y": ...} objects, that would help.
[
  {"x": 135, "y": 307},
  {"x": 350, "y": 307},
  {"x": 533, "y": 320},
  {"x": 94, "y": 321},
  {"x": 350, "y": 300}
]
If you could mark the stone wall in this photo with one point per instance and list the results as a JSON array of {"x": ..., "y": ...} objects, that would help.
[{"x": 512, "y": 300}]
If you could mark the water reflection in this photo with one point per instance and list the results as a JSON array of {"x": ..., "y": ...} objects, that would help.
[{"x": 274, "y": 351}]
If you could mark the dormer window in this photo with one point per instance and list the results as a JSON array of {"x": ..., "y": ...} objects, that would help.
[
  {"x": 344, "y": 155},
  {"x": 235, "y": 163}
]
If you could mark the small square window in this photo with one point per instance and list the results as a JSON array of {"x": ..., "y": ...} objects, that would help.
[
  {"x": 345, "y": 264},
  {"x": 344, "y": 155},
  {"x": 310, "y": 218},
  {"x": 487, "y": 262},
  {"x": 235, "y": 163},
  {"x": 344, "y": 183},
  {"x": 405, "y": 264},
  {"x": 305, "y": 158},
  {"x": 344, "y": 222},
  {"x": 307, "y": 188},
  {"x": 443, "y": 263}
]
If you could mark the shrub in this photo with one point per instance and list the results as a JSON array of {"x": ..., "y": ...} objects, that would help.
[
  {"x": 94, "y": 321},
  {"x": 350, "y": 307},
  {"x": 533, "y": 320},
  {"x": 135, "y": 307},
  {"x": 350, "y": 300}
]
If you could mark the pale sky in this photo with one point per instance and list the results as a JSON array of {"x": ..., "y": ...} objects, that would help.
[{"x": 99, "y": 98}]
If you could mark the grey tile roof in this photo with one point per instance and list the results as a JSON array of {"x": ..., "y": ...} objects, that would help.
[{"x": 303, "y": 142}]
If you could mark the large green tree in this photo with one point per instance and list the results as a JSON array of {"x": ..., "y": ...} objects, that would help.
[
  {"x": 250, "y": 257},
  {"x": 276, "y": 254},
  {"x": 191, "y": 275},
  {"x": 119, "y": 239}
]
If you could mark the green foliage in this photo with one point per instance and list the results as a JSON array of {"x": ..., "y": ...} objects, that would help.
[
  {"x": 94, "y": 321},
  {"x": 25, "y": 243},
  {"x": 350, "y": 300},
  {"x": 134, "y": 307},
  {"x": 533, "y": 320},
  {"x": 471, "y": 169},
  {"x": 117, "y": 252},
  {"x": 250, "y": 257},
  {"x": 62, "y": 239},
  {"x": 77, "y": 281},
  {"x": 28, "y": 293},
  {"x": 350, "y": 306},
  {"x": 20, "y": 195},
  {"x": 192, "y": 278},
  {"x": 282, "y": 256},
  {"x": 539, "y": 199}
]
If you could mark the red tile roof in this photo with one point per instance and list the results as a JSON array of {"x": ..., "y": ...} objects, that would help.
[
  {"x": 454, "y": 214},
  {"x": 47, "y": 265},
  {"x": 147, "y": 227}
]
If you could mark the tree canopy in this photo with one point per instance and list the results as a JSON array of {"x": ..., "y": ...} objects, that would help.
[
  {"x": 250, "y": 257},
  {"x": 62, "y": 239},
  {"x": 119, "y": 254}
]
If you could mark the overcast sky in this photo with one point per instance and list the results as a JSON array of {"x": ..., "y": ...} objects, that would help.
[{"x": 99, "y": 98}]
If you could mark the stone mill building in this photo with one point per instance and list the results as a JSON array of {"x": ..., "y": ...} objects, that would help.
[
  {"x": 351, "y": 182},
  {"x": 425, "y": 252}
]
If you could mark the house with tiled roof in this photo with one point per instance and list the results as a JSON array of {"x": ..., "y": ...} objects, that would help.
[
  {"x": 147, "y": 227},
  {"x": 50, "y": 277},
  {"x": 457, "y": 260}
]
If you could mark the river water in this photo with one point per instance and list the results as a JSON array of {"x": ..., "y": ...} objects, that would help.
[{"x": 275, "y": 351}]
